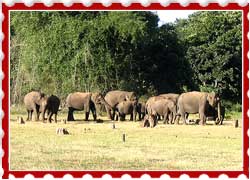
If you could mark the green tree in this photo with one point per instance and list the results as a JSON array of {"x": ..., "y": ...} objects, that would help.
[{"x": 213, "y": 48}]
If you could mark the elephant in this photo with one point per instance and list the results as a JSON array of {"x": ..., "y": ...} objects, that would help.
[
  {"x": 52, "y": 107},
  {"x": 171, "y": 96},
  {"x": 149, "y": 121},
  {"x": 94, "y": 100},
  {"x": 141, "y": 110},
  {"x": 196, "y": 102},
  {"x": 113, "y": 98},
  {"x": 150, "y": 101},
  {"x": 124, "y": 108},
  {"x": 34, "y": 102},
  {"x": 165, "y": 108},
  {"x": 213, "y": 112},
  {"x": 80, "y": 101}
]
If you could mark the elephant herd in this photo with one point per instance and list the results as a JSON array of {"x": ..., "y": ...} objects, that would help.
[{"x": 118, "y": 104}]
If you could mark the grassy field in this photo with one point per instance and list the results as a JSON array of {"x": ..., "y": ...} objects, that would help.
[{"x": 97, "y": 146}]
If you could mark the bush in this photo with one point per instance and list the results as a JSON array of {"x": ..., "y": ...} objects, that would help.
[{"x": 232, "y": 106}]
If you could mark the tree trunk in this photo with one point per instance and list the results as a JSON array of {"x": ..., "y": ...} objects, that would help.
[{"x": 219, "y": 112}]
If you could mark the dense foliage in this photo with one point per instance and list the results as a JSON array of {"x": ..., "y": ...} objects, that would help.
[{"x": 62, "y": 52}]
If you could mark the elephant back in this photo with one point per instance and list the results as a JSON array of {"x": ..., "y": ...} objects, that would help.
[
  {"x": 115, "y": 97},
  {"x": 32, "y": 98},
  {"x": 161, "y": 106},
  {"x": 191, "y": 102},
  {"x": 171, "y": 96},
  {"x": 150, "y": 101},
  {"x": 78, "y": 100}
]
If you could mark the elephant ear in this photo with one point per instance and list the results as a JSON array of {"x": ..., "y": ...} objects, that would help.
[
  {"x": 127, "y": 98},
  {"x": 212, "y": 98},
  {"x": 42, "y": 95}
]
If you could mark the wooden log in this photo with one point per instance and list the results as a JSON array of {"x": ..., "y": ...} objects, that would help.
[
  {"x": 219, "y": 112},
  {"x": 123, "y": 137},
  {"x": 20, "y": 120},
  {"x": 236, "y": 123}
]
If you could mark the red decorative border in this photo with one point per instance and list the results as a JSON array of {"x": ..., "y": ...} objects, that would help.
[{"x": 118, "y": 6}]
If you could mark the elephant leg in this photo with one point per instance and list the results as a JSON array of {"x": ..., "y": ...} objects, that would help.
[
  {"x": 93, "y": 111},
  {"x": 28, "y": 118},
  {"x": 170, "y": 117},
  {"x": 49, "y": 117},
  {"x": 70, "y": 114},
  {"x": 139, "y": 115},
  {"x": 37, "y": 112},
  {"x": 113, "y": 115},
  {"x": 174, "y": 117},
  {"x": 203, "y": 118},
  {"x": 222, "y": 118},
  {"x": 122, "y": 117},
  {"x": 117, "y": 116},
  {"x": 146, "y": 122},
  {"x": 183, "y": 117},
  {"x": 43, "y": 115},
  {"x": 56, "y": 117},
  {"x": 151, "y": 122},
  {"x": 36, "y": 116},
  {"x": 131, "y": 117},
  {"x": 143, "y": 115},
  {"x": 186, "y": 116},
  {"x": 165, "y": 119},
  {"x": 134, "y": 114},
  {"x": 108, "y": 112},
  {"x": 177, "y": 119},
  {"x": 87, "y": 116}
]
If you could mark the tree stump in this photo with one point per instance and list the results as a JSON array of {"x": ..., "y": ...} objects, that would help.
[
  {"x": 20, "y": 120},
  {"x": 236, "y": 123},
  {"x": 62, "y": 131},
  {"x": 123, "y": 137}
]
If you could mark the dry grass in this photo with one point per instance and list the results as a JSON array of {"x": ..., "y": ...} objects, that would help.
[{"x": 96, "y": 146}]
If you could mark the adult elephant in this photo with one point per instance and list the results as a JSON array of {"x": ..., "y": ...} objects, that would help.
[
  {"x": 124, "y": 108},
  {"x": 79, "y": 101},
  {"x": 196, "y": 102},
  {"x": 34, "y": 102},
  {"x": 171, "y": 96},
  {"x": 51, "y": 105},
  {"x": 113, "y": 98},
  {"x": 165, "y": 108}
]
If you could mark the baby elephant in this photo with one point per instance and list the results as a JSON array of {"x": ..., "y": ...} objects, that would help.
[
  {"x": 164, "y": 107},
  {"x": 124, "y": 108},
  {"x": 52, "y": 107},
  {"x": 149, "y": 121}
]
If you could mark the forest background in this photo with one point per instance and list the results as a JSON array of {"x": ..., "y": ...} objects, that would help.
[{"x": 62, "y": 52}]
